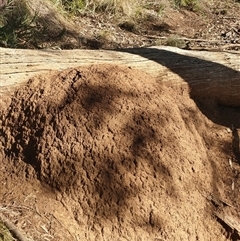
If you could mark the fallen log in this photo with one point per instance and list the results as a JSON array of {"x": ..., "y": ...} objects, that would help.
[{"x": 214, "y": 75}]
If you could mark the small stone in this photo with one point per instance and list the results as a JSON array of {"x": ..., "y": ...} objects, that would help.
[{"x": 228, "y": 130}]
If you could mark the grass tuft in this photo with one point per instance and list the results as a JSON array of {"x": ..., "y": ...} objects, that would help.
[
  {"x": 175, "y": 41},
  {"x": 191, "y": 5},
  {"x": 16, "y": 24},
  {"x": 76, "y": 7},
  {"x": 5, "y": 235}
]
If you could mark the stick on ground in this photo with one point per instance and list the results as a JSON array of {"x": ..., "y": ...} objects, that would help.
[{"x": 12, "y": 228}]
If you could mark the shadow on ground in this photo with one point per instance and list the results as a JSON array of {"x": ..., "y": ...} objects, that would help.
[
  {"x": 201, "y": 76},
  {"x": 109, "y": 139}
]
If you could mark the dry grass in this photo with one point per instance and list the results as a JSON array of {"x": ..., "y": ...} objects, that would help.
[
  {"x": 121, "y": 7},
  {"x": 115, "y": 8},
  {"x": 175, "y": 41},
  {"x": 25, "y": 229},
  {"x": 8, "y": 230},
  {"x": 191, "y": 5},
  {"x": 28, "y": 23},
  {"x": 5, "y": 235},
  {"x": 98, "y": 6}
]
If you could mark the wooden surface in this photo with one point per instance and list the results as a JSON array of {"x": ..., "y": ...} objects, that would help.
[{"x": 209, "y": 74}]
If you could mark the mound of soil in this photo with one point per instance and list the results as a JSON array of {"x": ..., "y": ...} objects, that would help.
[{"x": 112, "y": 154}]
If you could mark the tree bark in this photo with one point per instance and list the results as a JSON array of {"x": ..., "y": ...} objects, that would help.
[{"x": 214, "y": 74}]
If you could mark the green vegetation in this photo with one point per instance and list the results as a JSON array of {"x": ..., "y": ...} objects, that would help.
[
  {"x": 191, "y": 5},
  {"x": 17, "y": 25},
  {"x": 175, "y": 41},
  {"x": 75, "y": 7},
  {"x": 20, "y": 27},
  {"x": 118, "y": 6},
  {"x": 5, "y": 234},
  {"x": 25, "y": 26}
]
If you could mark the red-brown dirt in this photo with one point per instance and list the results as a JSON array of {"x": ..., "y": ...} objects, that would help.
[{"x": 109, "y": 153}]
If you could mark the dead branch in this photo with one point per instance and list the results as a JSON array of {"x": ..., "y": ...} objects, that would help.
[{"x": 12, "y": 228}]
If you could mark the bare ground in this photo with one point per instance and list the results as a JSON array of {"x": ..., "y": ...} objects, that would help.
[
  {"x": 214, "y": 25},
  {"x": 109, "y": 153}
]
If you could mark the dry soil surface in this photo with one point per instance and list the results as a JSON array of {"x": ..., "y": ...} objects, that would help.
[
  {"x": 212, "y": 25},
  {"x": 108, "y": 153}
]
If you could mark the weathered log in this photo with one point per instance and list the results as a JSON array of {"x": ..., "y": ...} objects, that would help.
[{"x": 214, "y": 75}]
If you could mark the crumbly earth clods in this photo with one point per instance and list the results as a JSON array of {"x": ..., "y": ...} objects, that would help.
[{"x": 108, "y": 153}]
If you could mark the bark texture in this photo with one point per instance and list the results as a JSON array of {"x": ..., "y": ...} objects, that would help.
[{"x": 214, "y": 75}]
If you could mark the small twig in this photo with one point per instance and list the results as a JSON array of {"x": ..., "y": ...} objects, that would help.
[
  {"x": 12, "y": 228},
  {"x": 198, "y": 40},
  {"x": 226, "y": 46},
  {"x": 236, "y": 31},
  {"x": 217, "y": 201},
  {"x": 217, "y": 49},
  {"x": 230, "y": 18},
  {"x": 229, "y": 221},
  {"x": 63, "y": 226},
  {"x": 183, "y": 38}
]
